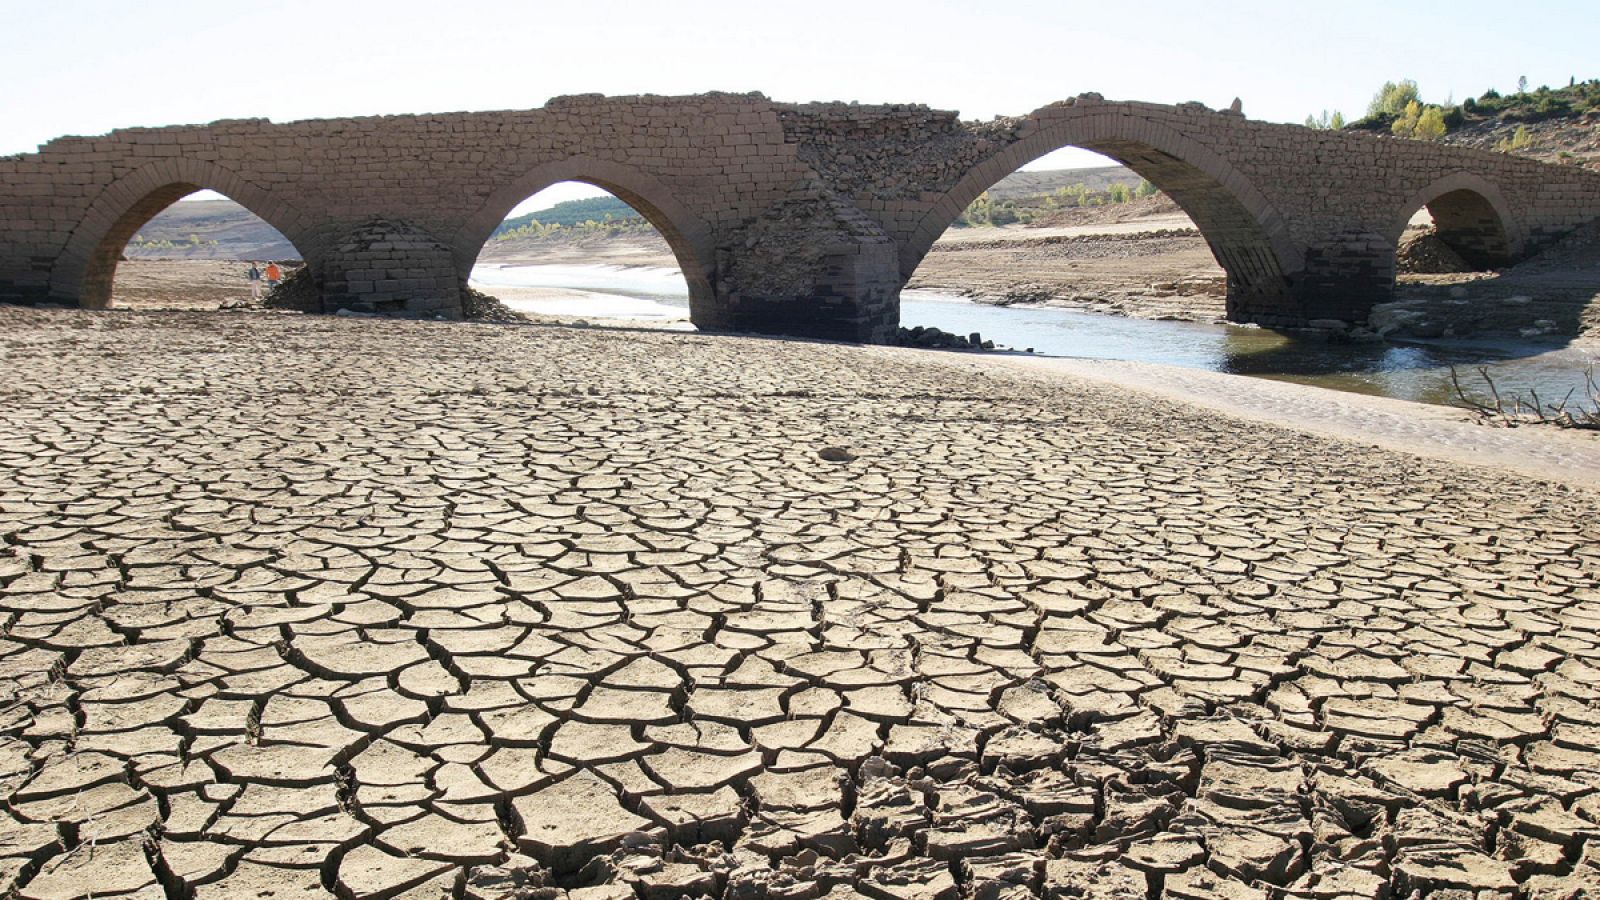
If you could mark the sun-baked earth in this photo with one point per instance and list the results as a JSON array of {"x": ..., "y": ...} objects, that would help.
[{"x": 295, "y": 605}]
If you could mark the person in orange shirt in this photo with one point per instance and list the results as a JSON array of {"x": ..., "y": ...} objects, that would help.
[{"x": 274, "y": 275}]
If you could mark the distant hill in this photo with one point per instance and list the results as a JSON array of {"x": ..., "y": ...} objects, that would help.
[
  {"x": 1024, "y": 185},
  {"x": 568, "y": 213},
  {"x": 209, "y": 229},
  {"x": 222, "y": 229}
]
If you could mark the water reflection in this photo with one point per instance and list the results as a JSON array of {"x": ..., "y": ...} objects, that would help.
[{"x": 1418, "y": 372}]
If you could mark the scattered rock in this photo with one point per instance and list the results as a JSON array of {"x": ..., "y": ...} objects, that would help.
[{"x": 1423, "y": 252}]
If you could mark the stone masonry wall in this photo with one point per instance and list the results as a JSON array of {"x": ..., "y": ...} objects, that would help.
[
  {"x": 391, "y": 268},
  {"x": 1281, "y": 205},
  {"x": 793, "y": 218}
]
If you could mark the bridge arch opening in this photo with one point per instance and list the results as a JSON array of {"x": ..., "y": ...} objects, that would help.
[
  {"x": 596, "y": 228},
  {"x": 1074, "y": 228},
  {"x": 1244, "y": 236},
  {"x": 582, "y": 249},
  {"x": 159, "y": 223},
  {"x": 1467, "y": 220},
  {"x": 194, "y": 251}
]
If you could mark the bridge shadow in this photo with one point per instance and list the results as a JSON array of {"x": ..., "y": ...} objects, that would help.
[{"x": 1506, "y": 305}]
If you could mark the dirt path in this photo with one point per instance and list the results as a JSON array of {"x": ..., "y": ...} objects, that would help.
[{"x": 179, "y": 284}]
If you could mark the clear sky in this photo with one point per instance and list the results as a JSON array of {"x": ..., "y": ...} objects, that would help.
[{"x": 88, "y": 66}]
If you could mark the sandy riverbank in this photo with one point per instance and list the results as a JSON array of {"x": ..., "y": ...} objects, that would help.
[
  {"x": 1435, "y": 432},
  {"x": 1151, "y": 267},
  {"x": 528, "y": 595}
]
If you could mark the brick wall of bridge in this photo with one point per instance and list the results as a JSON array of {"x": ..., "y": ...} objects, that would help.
[
  {"x": 794, "y": 218},
  {"x": 711, "y": 172}
]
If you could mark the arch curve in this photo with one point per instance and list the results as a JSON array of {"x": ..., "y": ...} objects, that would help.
[
  {"x": 84, "y": 271},
  {"x": 1470, "y": 215},
  {"x": 1247, "y": 234},
  {"x": 686, "y": 232}
]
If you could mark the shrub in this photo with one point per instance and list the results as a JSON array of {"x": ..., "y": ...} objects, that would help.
[
  {"x": 1518, "y": 141},
  {"x": 1425, "y": 123},
  {"x": 1430, "y": 125}
]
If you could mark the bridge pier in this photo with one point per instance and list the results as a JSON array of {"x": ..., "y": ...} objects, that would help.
[
  {"x": 814, "y": 268},
  {"x": 851, "y": 293},
  {"x": 389, "y": 267},
  {"x": 1346, "y": 273}
]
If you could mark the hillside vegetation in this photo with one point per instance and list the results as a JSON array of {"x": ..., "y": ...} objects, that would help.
[
  {"x": 570, "y": 213},
  {"x": 1023, "y": 185},
  {"x": 1037, "y": 208},
  {"x": 1551, "y": 124}
]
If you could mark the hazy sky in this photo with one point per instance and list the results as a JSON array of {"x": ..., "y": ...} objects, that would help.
[{"x": 87, "y": 66}]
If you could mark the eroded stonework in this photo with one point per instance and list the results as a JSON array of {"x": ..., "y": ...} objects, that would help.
[
  {"x": 294, "y": 605},
  {"x": 789, "y": 218}
]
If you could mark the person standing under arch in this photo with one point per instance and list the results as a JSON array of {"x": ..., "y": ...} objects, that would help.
[
  {"x": 274, "y": 275},
  {"x": 254, "y": 277}
]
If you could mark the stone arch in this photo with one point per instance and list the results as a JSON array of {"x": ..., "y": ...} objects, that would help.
[
  {"x": 1246, "y": 233},
  {"x": 88, "y": 263},
  {"x": 1470, "y": 216},
  {"x": 686, "y": 233}
]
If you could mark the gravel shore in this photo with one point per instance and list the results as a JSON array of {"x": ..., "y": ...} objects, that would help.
[{"x": 296, "y": 605}]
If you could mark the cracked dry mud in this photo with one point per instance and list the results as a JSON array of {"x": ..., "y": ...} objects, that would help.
[{"x": 296, "y": 606}]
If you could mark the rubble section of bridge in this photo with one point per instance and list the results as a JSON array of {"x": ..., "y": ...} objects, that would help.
[{"x": 294, "y": 604}]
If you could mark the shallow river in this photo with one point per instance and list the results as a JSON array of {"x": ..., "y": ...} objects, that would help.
[{"x": 1417, "y": 371}]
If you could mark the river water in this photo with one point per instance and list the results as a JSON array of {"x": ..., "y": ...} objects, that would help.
[{"x": 1417, "y": 371}]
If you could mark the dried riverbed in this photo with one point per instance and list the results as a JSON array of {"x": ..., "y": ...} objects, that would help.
[{"x": 300, "y": 604}]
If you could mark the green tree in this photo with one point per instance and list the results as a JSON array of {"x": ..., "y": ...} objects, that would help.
[
  {"x": 1393, "y": 98},
  {"x": 1145, "y": 189},
  {"x": 1406, "y": 124},
  {"x": 1427, "y": 123},
  {"x": 1326, "y": 122}
]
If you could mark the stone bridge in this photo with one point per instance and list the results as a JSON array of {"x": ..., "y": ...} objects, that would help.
[{"x": 801, "y": 219}]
